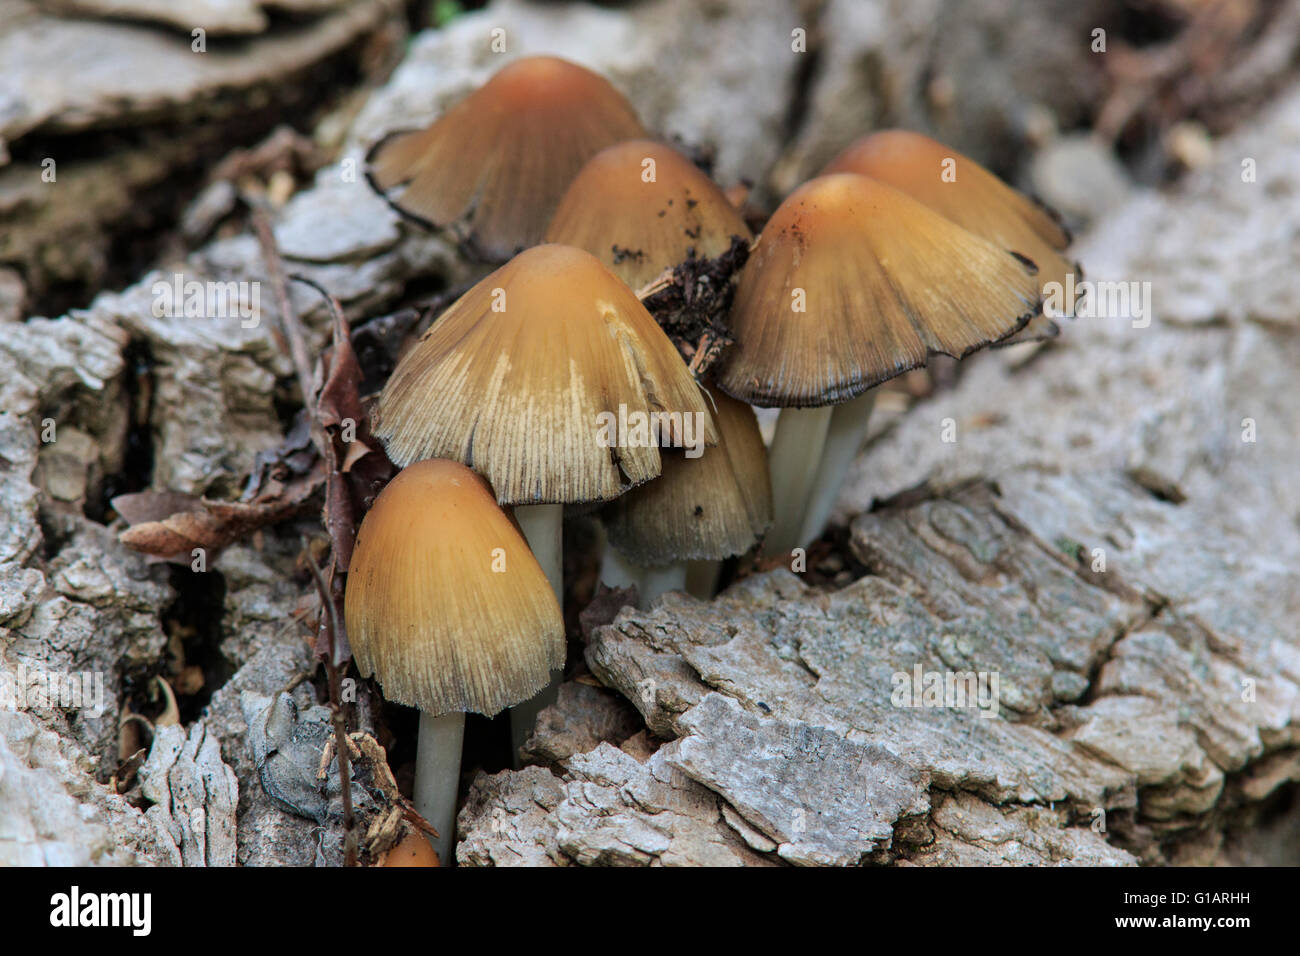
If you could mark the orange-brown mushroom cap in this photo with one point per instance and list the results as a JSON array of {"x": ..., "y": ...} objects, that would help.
[
  {"x": 412, "y": 850},
  {"x": 710, "y": 507},
  {"x": 522, "y": 377},
  {"x": 641, "y": 207},
  {"x": 446, "y": 605},
  {"x": 852, "y": 282},
  {"x": 965, "y": 192},
  {"x": 497, "y": 162}
]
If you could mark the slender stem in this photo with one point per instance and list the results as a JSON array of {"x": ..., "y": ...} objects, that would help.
[
  {"x": 657, "y": 581},
  {"x": 848, "y": 429},
  {"x": 702, "y": 578},
  {"x": 795, "y": 454},
  {"x": 543, "y": 528},
  {"x": 437, "y": 777},
  {"x": 617, "y": 571}
]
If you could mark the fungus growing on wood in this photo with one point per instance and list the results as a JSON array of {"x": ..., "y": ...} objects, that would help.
[
  {"x": 448, "y": 609},
  {"x": 641, "y": 208},
  {"x": 662, "y": 226},
  {"x": 699, "y": 510},
  {"x": 965, "y": 192},
  {"x": 850, "y": 283},
  {"x": 496, "y": 163},
  {"x": 412, "y": 850},
  {"x": 551, "y": 380}
]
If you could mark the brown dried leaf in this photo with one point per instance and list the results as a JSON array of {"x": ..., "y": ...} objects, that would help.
[
  {"x": 355, "y": 452},
  {"x": 144, "y": 506},
  {"x": 340, "y": 520},
  {"x": 340, "y": 398},
  {"x": 210, "y": 525}
]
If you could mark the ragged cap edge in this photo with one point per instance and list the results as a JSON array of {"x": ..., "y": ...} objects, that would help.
[
  {"x": 476, "y": 387},
  {"x": 480, "y": 181},
  {"x": 880, "y": 326},
  {"x": 658, "y": 523}
]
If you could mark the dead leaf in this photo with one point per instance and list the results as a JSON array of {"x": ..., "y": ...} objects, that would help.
[
  {"x": 355, "y": 452},
  {"x": 340, "y": 396},
  {"x": 206, "y": 524},
  {"x": 144, "y": 506}
]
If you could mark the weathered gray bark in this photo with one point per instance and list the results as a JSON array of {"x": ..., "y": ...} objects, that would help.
[
  {"x": 194, "y": 795},
  {"x": 144, "y": 74},
  {"x": 172, "y": 98}
]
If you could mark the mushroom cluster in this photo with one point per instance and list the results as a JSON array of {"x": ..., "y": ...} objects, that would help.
[{"x": 550, "y": 383}]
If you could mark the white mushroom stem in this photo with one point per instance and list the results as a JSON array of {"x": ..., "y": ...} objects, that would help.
[
  {"x": 795, "y": 455},
  {"x": 657, "y": 581},
  {"x": 848, "y": 429},
  {"x": 543, "y": 528},
  {"x": 618, "y": 572},
  {"x": 702, "y": 578},
  {"x": 437, "y": 777}
]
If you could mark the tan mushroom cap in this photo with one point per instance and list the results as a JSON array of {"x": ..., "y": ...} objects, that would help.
[
  {"x": 412, "y": 850},
  {"x": 516, "y": 378},
  {"x": 497, "y": 162},
  {"x": 884, "y": 281},
  {"x": 429, "y": 611},
  {"x": 641, "y": 228},
  {"x": 711, "y": 507},
  {"x": 976, "y": 200}
]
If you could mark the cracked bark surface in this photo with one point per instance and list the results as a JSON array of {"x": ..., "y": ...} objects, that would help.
[
  {"x": 194, "y": 795},
  {"x": 1106, "y": 707},
  {"x": 111, "y": 89},
  {"x": 121, "y": 133}
]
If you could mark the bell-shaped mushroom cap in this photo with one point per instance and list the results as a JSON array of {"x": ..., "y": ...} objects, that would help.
[
  {"x": 709, "y": 507},
  {"x": 640, "y": 207},
  {"x": 498, "y": 161},
  {"x": 851, "y": 283},
  {"x": 532, "y": 375},
  {"x": 968, "y": 194},
  {"x": 445, "y": 604},
  {"x": 413, "y": 850}
]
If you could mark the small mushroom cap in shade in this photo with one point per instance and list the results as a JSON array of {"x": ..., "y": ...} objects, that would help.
[
  {"x": 711, "y": 507},
  {"x": 883, "y": 281},
  {"x": 516, "y": 377},
  {"x": 641, "y": 228},
  {"x": 446, "y": 606},
  {"x": 412, "y": 850},
  {"x": 497, "y": 162},
  {"x": 975, "y": 199}
]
